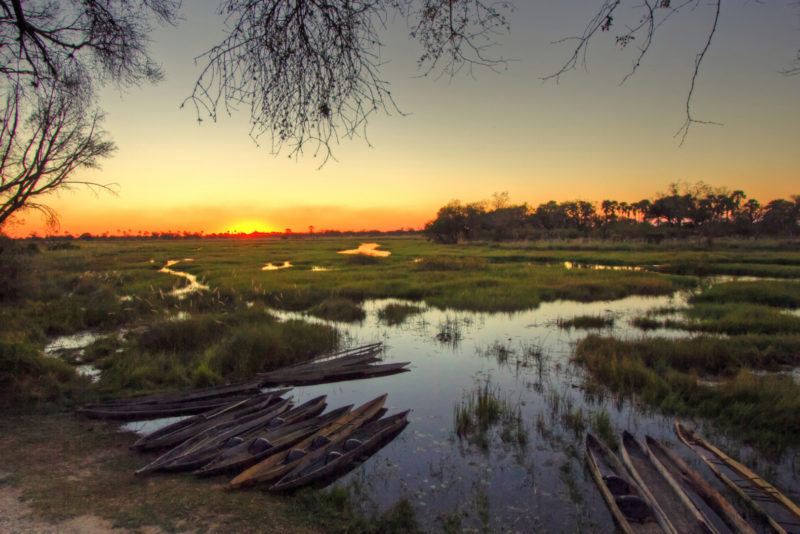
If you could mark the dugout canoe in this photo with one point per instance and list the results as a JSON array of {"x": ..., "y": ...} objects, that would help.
[
  {"x": 342, "y": 454},
  {"x": 310, "y": 377},
  {"x": 255, "y": 419},
  {"x": 659, "y": 486},
  {"x": 274, "y": 467},
  {"x": 208, "y": 449},
  {"x": 238, "y": 455},
  {"x": 176, "y": 433},
  {"x": 632, "y": 510},
  {"x": 781, "y": 513},
  {"x": 692, "y": 483}
]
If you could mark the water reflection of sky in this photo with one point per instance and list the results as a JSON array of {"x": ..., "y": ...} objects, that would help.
[{"x": 541, "y": 486}]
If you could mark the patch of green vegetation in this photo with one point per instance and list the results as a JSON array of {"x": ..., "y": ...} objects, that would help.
[
  {"x": 450, "y": 263},
  {"x": 600, "y": 422},
  {"x": 335, "y": 511},
  {"x": 252, "y": 349},
  {"x": 647, "y": 323},
  {"x": 395, "y": 314},
  {"x": 764, "y": 410},
  {"x": 338, "y": 309},
  {"x": 737, "y": 319},
  {"x": 30, "y": 380},
  {"x": 481, "y": 410},
  {"x": 779, "y": 294},
  {"x": 586, "y": 321}
]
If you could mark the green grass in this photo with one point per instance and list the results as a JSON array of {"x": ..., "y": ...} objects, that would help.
[
  {"x": 764, "y": 410},
  {"x": 586, "y": 321},
  {"x": 779, "y": 294},
  {"x": 338, "y": 309},
  {"x": 395, "y": 314},
  {"x": 480, "y": 411}
]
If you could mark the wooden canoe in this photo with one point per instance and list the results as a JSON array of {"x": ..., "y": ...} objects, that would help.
[
  {"x": 208, "y": 449},
  {"x": 343, "y": 453},
  {"x": 178, "y": 432},
  {"x": 267, "y": 443},
  {"x": 604, "y": 464},
  {"x": 659, "y": 486},
  {"x": 274, "y": 467},
  {"x": 334, "y": 374},
  {"x": 691, "y": 482},
  {"x": 184, "y": 396},
  {"x": 780, "y": 512},
  {"x": 155, "y": 411},
  {"x": 258, "y": 418}
]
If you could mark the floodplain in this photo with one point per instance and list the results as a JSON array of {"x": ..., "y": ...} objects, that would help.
[{"x": 517, "y": 350}]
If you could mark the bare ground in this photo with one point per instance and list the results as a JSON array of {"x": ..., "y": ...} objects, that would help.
[{"x": 64, "y": 474}]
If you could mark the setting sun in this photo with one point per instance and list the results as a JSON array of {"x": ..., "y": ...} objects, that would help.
[{"x": 248, "y": 227}]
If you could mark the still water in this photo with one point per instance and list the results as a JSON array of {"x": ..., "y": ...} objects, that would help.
[{"x": 540, "y": 485}]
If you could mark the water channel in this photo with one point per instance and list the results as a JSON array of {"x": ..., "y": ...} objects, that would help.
[{"x": 525, "y": 358}]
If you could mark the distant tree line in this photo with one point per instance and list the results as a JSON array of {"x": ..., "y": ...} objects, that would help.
[{"x": 682, "y": 211}]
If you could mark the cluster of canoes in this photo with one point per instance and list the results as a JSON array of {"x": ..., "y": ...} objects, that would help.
[
  {"x": 652, "y": 490},
  {"x": 266, "y": 440},
  {"x": 350, "y": 364}
]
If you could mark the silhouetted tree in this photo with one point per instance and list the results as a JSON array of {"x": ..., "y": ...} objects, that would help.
[
  {"x": 52, "y": 54},
  {"x": 40, "y": 152}
]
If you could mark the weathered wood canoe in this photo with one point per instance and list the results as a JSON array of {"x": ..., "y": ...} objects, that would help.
[
  {"x": 692, "y": 483},
  {"x": 238, "y": 456},
  {"x": 343, "y": 453},
  {"x": 155, "y": 411},
  {"x": 350, "y": 364},
  {"x": 182, "y": 396},
  {"x": 256, "y": 419},
  {"x": 309, "y": 377},
  {"x": 208, "y": 449},
  {"x": 659, "y": 486},
  {"x": 176, "y": 433},
  {"x": 780, "y": 512},
  {"x": 274, "y": 467},
  {"x": 631, "y": 508}
]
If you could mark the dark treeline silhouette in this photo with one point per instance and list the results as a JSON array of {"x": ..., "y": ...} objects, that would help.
[
  {"x": 683, "y": 211},
  {"x": 145, "y": 235}
]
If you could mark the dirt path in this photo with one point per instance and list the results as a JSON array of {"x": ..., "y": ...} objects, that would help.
[{"x": 17, "y": 517}]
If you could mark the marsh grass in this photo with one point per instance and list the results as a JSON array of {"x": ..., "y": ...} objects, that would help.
[
  {"x": 586, "y": 322},
  {"x": 338, "y": 309},
  {"x": 779, "y": 294},
  {"x": 600, "y": 422},
  {"x": 395, "y": 314},
  {"x": 481, "y": 410},
  {"x": 31, "y": 381},
  {"x": 449, "y": 332},
  {"x": 740, "y": 318},
  {"x": 763, "y": 410}
]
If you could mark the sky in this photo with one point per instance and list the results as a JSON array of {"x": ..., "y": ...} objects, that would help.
[{"x": 587, "y": 137}]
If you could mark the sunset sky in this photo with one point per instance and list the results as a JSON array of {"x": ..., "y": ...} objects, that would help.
[{"x": 587, "y": 137}]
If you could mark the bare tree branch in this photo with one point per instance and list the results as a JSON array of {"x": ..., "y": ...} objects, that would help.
[
  {"x": 309, "y": 70},
  {"x": 39, "y": 154},
  {"x": 652, "y": 14}
]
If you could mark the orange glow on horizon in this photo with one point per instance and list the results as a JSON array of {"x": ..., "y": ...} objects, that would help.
[{"x": 249, "y": 226}]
